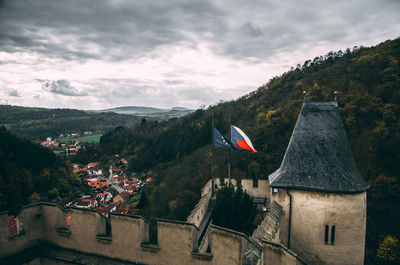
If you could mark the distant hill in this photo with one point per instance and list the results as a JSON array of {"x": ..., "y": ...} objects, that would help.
[
  {"x": 38, "y": 123},
  {"x": 156, "y": 113},
  {"x": 177, "y": 153}
]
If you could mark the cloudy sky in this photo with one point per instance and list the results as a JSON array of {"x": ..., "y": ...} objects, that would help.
[{"x": 97, "y": 54}]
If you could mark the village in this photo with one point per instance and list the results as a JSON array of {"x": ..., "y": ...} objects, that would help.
[
  {"x": 69, "y": 144},
  {"x": 112, "y": 191},
  {"x": 109, "y": 192}
]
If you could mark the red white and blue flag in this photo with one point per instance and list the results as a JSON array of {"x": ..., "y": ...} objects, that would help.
[{"x": 239, "y": 138}]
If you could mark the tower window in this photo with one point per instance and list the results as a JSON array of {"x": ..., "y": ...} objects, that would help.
[
  {"x": 326, "y": 234},
  {"x": 255, "y": 183},
  {"x": 333, "y": 235}
]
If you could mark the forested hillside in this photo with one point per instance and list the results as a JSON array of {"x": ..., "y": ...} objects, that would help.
[
  {"x": 38, "y": 123},
  {"x": 30, "y": 172},
  {"x": 178, "y": 156}
]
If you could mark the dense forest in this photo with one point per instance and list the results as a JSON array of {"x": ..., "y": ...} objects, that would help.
[
  {"x": 177, "y": 154},
  {"x": 30, "y": 173},
  {"x": 39, "y": 123}
]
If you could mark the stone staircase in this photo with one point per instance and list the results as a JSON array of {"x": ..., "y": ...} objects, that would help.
[
  {"x": 211, "y": 205},
  {"x": 266, "y": 230}
]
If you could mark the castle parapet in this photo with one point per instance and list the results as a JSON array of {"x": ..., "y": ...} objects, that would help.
[{"x": 119, "y": 237}]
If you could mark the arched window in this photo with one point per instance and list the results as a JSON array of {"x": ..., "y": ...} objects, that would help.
[
  {"x": 333, "y": 235},
  {"x": 326, "y": 234}
]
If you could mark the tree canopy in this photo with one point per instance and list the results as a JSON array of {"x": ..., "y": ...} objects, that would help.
[{"x": 30, "y": 172}]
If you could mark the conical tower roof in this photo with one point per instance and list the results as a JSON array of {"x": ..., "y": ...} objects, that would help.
[{"x": 318, "y": 156}]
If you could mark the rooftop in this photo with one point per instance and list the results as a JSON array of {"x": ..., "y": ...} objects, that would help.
[{"x": 318, "y": 156}]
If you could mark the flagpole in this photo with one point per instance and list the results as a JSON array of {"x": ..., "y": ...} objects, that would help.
[
  {"x": 212, "y": 147},
  {"x": 229, "y": 154}
]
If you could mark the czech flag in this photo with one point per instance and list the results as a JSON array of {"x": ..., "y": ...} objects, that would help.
[{"x": 239, "y": 138}]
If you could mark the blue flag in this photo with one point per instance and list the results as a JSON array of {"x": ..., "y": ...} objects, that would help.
[{"x": 221, "y": 141}]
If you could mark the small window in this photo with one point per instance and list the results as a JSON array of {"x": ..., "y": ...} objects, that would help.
[
  {"x": 275, "y": 190},
  {"x": 326, "y": 234},
  {"x": 255, "y": 183},
  {"x": 333, "y": 235},
  {"x": 108, "y": 227}
]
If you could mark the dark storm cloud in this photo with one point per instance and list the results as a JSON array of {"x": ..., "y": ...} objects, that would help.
[
  {"x": 61, "y": 87},
  {"x": 116, "y": 30},
  {"x": 14, "y": 93},
  {"x": 119, "y": 29},
  {"x": 270, "y": 27}
]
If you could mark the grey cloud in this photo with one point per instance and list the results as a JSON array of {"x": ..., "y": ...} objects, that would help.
[
  {"x": 174, "y": 82},
  {"x": 153, "y": 93},
  {"x": 127, "y": 29},
  {"x": 204, "y": 94},
  {"x": 119, "y": 29},
  {"x": 61, "y": 87},
  {"x": 285, "y": 25},
  {"x": 251, "y": 30},
  {"x": 14, "y": 93}
]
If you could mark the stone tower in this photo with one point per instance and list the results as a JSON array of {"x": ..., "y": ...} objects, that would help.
[{"x": 321, "y": 190}]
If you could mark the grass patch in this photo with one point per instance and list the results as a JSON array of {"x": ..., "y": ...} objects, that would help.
[{"x": 94, "y": 138}]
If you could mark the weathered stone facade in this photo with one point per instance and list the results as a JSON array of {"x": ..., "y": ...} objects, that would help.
[
  {"x": 322, "y": 194},
  {"x": 127, "y": 244},
  {"x": 311, "y": 213}
]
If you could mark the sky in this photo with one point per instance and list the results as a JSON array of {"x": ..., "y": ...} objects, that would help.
[{"x": 98, "y": 54}]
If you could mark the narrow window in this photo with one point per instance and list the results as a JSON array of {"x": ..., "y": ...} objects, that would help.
[
  {"x": 255, "y": 183},
  {"x": 108, "y": 226},
  {"x": 326, "y": 234},
  {"x": 333, "y": 235}
]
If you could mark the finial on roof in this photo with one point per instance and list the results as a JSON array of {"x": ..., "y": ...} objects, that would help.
[
  {"x": 304, "y": 95},
  {"x": 335, "y": 94}
]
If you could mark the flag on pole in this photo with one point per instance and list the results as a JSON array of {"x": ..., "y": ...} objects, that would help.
[
  {"x": 221, "y": 141},
  {"x": 239, "y": 138}
]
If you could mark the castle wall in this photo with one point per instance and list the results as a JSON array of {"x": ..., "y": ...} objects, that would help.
[
  {"x": 283, "y": 199},
  {"x": 227, "y": 246},
  {"x": 262, "y": 191},
  {"x": 277, "y": 254},
  {"x": 200, "y": 210},
  {"x": 128, "y": 240},
  {"x": 30, "y": 230},
  {"x": 311, "y": 212}
]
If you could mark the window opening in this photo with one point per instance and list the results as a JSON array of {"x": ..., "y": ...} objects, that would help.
[
  {"x": 255, "y": 183},
  {"x": 108, "y": 226},
  {"x": 326, "y": 234},
  {"x": 333, "y": 235}
]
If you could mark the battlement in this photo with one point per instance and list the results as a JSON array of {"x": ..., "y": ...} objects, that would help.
[
  {"x": 122, "y": 237},
  {"x": 127, "y": 238}
]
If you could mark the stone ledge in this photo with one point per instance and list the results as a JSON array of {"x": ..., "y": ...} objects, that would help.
[
  {"x": 63, "y": 231},
  {"x": 105, "y": 239},
  {"x": 202, "y": 256},
  {"x": 150, "y": 247}
]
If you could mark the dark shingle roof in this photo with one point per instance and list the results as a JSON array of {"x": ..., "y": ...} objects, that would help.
[{"x": 318, "y": 156}]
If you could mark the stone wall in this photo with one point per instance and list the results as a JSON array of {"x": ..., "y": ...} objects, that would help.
[
  {"x": 128, "y": 241},
  {"x": 261, "y": 191},
  {"x": 30, "y": 234},
  {"x": 311, "y": 212},
  {"x": 278, "y": 254},
  {"x": 200, "y": 210}
]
